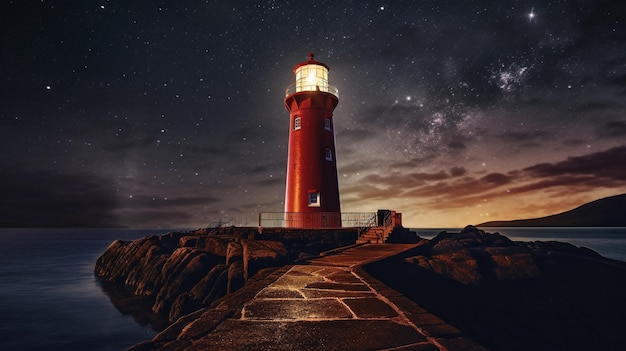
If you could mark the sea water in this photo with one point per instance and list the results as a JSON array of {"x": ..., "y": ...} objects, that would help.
[
  {"x": 51, "y": 300},
  {"x": 609, "y": 242}
]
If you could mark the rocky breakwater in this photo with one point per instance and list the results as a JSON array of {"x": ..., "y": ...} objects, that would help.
[
  {"x": 184, "y": 271},
  {"x": 473, "y": 256},
  {"x": 506, "y": 295}
]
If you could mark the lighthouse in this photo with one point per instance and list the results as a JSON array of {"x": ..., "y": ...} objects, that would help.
[{"x": 312, "y": 189}]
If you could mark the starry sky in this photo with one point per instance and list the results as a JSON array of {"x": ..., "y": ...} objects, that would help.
[{"x": 171, "y": 113}]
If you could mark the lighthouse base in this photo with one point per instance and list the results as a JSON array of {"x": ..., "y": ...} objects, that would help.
[{"x": 313, "y": 220}]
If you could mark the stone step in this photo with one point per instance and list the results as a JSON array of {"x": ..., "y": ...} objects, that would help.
[{"x": 374, "y": 235}]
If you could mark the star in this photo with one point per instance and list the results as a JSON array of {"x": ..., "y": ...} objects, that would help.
[{"x": 531, "y": 14}]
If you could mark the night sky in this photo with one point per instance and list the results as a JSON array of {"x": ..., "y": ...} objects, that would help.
[{"x": 171, "y": 114}]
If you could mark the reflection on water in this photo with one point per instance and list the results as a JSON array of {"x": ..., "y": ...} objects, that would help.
[{"x": 138, "y": 307}]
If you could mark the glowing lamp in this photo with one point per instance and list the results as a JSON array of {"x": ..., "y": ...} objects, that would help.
[{"x": 311, "y": 75}]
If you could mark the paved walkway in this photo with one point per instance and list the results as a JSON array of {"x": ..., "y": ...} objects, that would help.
[{"x": 331, "y": 303}]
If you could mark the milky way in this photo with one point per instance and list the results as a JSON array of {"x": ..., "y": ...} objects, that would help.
[{"x": 115, "y": 113}]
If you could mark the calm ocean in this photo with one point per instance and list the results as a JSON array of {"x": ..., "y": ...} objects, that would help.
[{"x": 50, "y": 299}]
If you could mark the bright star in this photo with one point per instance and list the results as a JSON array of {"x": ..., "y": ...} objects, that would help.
[{"x": 531, "y": 14}]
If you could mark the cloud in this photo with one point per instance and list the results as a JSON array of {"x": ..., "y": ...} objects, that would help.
[
  {"x": 608, "y": 165},
  {"x": 45, "y": 198},
  {"x": 140, "y": 202},
  {"x": 457, "y": 171},
  {"x": 620, "y": 82},
  {"x": 270, "y": 182},
  {"x": 458, "y": 188},
  {"x": 573, "y": 142},
  {"x": 457, "y": 145},
  {"x": 154, "y": 218},
  {"x": 517, "y": 137},
  {"x": 613, "y": 129}
]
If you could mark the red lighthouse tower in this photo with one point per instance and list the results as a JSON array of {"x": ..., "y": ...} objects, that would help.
[{"x": 312, "y": 193}]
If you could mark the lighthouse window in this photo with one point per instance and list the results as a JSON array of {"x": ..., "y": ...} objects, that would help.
[
  {"x": 329, "y": 154},
  {"x": 297, "y": 123},
  {"x": 327, "y": 124},
  {"x": 314, "y": 199}
]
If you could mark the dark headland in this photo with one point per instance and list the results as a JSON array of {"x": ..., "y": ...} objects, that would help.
[
  {"x": 487, "y": 289},
  {"x": 605, "y": 212}
]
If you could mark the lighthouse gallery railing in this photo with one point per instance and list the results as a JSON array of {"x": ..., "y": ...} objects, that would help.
[{"x": 331, "y": 89}]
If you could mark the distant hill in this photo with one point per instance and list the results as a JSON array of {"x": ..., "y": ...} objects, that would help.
[{"x": 606, "y": 212}]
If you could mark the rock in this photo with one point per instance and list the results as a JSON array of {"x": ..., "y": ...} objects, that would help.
[
  {"x": 213, "y": 244},
  {"x": 458, "y": 265},
  {"x": 497, "y": 239},
  {"x": 234, "y": 252},
  {"x": 180, "y": 273},
  {"x": 234, "y": 232},
  {"x": 205, "y": 290},
  {"x": 188, "y": 241},
  {"x": 259, "y": 254},
  {"x": 146, "y": 276},
  {"x": 513, "y": 263},
  {"x": 473, "y": 256},
  {"x": 201, "y": 231},
  {"x": 235, "y": 276},
  {"x": 218, "y": 289},
  {"x": 548, "y": 247},
  {"x": 184, "y": 304}
]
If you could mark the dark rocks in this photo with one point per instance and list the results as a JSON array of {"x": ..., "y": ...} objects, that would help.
[
  {"x": 236, "y": 276},
  {"x": 214, "y": 244},
  {"x": 514, "y": 296},
  {"x": 188, "y": 241},
  {"x": 512, "y": 262},
  {"x": 262, "y": 254},
  {"x": 234, "y": 252},
  {"x": 211, "y": 286},
  {"x": 459, "y": 265},
  {"x": 181, "y": 272},
  {"x": 472, "y": 256}
]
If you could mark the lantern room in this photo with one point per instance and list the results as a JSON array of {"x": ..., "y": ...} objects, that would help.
[{"x": 312, "y": 76}]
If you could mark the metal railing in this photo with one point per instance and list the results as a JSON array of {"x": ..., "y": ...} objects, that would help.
[
  {"x": 319, "y": 220},
  {"x": 331, "y": 89}
]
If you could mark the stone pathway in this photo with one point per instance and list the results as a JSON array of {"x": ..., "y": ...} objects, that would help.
[{"x": 333, "y": 304}]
